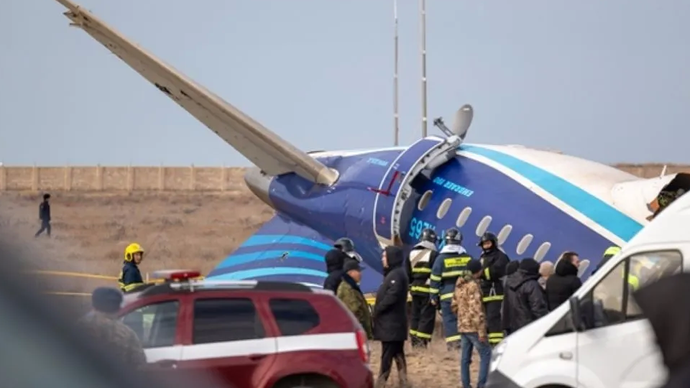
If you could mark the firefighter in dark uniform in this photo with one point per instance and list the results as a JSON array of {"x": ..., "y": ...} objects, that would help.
[
  {"x": 494, "y": 263},
  {"x": 130, "y": 276},
  {"x": 450, "y": 264},
  {"x": 423, "y": 314}
]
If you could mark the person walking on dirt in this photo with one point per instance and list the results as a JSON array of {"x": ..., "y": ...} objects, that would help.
[
  {"x": 130, "y": 276},
  {"x": 44, "y": 215}
]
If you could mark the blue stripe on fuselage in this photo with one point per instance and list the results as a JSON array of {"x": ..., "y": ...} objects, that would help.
[
  {"x": 273, "y": 271},
  {"x": 592, "y": 207},
  {"x": 283, "y": 239}
]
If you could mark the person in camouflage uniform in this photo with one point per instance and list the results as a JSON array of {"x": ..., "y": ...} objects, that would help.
[
  {"x": 467, "y": 304},
  {"x": 102, "y": 326},
  {"x": 351, "y": 295}
]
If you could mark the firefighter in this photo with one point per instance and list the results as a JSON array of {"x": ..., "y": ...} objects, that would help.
[
  {"x": 450, "y": 264},
  {"x": 423, "y": 314},
  {"x": 608, "y": 254},
  {"x": 130, "y": 276},
  {"x": 494, "y": 263},
  {"x": 347, "y": 246}
]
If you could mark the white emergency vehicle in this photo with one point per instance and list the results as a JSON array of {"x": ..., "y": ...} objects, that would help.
[{"x": 600, "y": 338}]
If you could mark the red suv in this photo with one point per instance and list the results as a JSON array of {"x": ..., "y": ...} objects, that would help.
[{"x": 249, "y": 333}]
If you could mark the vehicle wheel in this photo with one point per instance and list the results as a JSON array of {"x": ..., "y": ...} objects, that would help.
[{"x": 306, "y": 381}]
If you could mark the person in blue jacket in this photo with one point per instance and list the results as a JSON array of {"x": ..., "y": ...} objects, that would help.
[
  {"x": 450, "y": 264},
  {"x": 130, "y": 276}
]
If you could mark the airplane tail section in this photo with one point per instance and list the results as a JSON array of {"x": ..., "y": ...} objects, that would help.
[
  {"x": 286, "y": 251},
  {"x": 257, "y": 143}
]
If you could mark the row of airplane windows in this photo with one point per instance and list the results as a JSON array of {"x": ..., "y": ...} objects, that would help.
[{"x": 483, "y": 225}]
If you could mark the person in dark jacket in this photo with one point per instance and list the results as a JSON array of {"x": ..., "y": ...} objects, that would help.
[
  {"x": 130, "y": 277},
  {"x": 494, "y": 263},
  {"x": 44, "y": 215},
  {"x": 390, "y": 315},
  {"x": 564, "y": 282},
  {"x": 511, "y": 268},
  {"x": 335, "y": 260},
  {"x": 671, "y": 324},
  {"x": 525, "y": 300}
]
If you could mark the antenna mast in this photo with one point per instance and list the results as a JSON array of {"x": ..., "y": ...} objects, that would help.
[
  {"x": 396, "y": 128},
  {"x": 422, "y": 14}
]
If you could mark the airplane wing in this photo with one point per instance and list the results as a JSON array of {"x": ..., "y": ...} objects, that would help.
[{"x": 257, "y": 143}]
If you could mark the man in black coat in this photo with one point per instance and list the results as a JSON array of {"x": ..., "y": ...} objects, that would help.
[
  {"x": 335, "y": 260},
  {"x": 564, "y": 282},
  {"x": 525, "y": 300},
  {"x": 390, "y": 315}
]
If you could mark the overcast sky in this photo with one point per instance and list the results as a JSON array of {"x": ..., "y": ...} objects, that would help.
[{"x": 606, "y": 80}]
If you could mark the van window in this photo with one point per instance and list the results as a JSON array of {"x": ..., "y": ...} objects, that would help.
[{"x": 611, "y": 300}]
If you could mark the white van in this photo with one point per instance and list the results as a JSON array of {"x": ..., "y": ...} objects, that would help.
[{"x": 600, "y": 339}]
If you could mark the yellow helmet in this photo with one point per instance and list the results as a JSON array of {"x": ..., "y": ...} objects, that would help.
[
  {"x": 131, "y": 250},
  {"x": 612, "y": 251}
]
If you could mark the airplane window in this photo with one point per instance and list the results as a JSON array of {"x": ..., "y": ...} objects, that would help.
[
  {"x": 462, "y": 218},
  {"x": 541, "y": 251},
  {"x": 584, "y": 264},
  {"x": 524, "y": 244},
  {"x": 503, "y": 234},
  {"x": 424, "y": 201},
  {"x": 483, "y": 225},
  {"x": 443, "y": 209}
]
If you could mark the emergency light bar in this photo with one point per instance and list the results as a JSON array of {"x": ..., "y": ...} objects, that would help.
[{"x": 176, "y": 275}]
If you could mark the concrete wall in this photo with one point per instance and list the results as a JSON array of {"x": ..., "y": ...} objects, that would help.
[{"x": 101, "y": 178}]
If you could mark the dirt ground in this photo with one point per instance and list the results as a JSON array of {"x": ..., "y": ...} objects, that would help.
[{"x": 178, "y": 230}]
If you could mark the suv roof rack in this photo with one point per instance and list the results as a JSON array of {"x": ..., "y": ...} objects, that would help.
[{"x": 225, "y": 285}]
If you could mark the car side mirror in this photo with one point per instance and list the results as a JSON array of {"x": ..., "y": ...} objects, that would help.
[{"x": 576, "y": 318}]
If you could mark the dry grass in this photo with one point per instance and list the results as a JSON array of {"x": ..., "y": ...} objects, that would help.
[{"x": 178, "y": 230}]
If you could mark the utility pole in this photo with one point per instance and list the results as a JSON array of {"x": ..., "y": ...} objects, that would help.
[
  {"x": 396, "y": 120},
  {"x": 422, "y": 15}
]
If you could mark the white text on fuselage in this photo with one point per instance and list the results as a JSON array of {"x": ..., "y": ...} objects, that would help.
[{"x": 452, "y": 186}]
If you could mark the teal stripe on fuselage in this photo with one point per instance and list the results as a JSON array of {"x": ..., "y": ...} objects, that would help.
[
  {"x": 594, "y": 208},
  {"x": 245, "y": 258},
  {"x": 259, "y": 272},
  {"x": 263, "y": 239}
]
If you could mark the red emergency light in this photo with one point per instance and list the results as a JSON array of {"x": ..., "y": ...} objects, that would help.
[{"x": 176, "y": 275}]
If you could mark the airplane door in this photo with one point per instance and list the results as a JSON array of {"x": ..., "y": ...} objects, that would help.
[{"x": 395, "y": 187}]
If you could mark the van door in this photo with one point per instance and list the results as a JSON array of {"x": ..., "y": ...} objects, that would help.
[{"x": 618, "y": 348}]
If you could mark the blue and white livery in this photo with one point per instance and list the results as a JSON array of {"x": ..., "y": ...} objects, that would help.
[{"x": 539, "y": 203}]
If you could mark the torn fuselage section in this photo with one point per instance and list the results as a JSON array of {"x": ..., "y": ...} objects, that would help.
[{"x": 679, "y": 185}]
